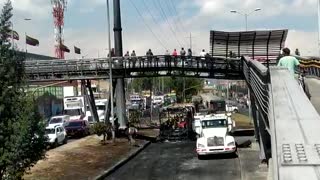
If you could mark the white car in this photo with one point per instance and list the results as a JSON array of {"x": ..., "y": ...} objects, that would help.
[
  {"x": 56, "y": 135},
  {"x": 230, "y": 108},
  {"x": 214, "y": 137}
]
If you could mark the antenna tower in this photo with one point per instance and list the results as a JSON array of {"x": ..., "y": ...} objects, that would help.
[{"x": 59, "y": 7}]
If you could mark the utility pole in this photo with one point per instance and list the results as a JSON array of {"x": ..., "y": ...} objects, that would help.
[
  {"x": 110, "y": 77},
  {"x": 190, "y": 41},
  {"x": 120, "y": 100}
]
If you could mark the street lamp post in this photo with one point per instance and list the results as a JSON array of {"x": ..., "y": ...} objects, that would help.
[
  {"x": 245, "y": 15},
  {"x": 25, "y": 33},
  {"x": 246, "y": 21},
  {"x": 12, "y": 31}
]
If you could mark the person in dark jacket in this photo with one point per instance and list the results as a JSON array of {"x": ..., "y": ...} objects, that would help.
[{"x": 149, "y": 55}]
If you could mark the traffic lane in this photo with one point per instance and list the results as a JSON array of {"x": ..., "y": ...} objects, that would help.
[{"x": 177, "y": 161}]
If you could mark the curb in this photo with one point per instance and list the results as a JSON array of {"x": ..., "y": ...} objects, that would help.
[{"x": 123, "y": 161}]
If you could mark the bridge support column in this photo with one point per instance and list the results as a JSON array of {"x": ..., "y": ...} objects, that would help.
[
  {"x": 254, "y": 116},
  {"x": 120, "y": 100},
  {"x": 89, "y": 99},
  {"x": 107, "y": 113},
  {"x": 265, "y": 145},
  {"x": 92, "y": 104},
  {"x": 121, "y": 104}
]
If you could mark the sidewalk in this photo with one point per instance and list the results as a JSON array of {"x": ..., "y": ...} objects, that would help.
[
  {"x": 251, "y": 168},
  {"x": 81, "y": 159}
]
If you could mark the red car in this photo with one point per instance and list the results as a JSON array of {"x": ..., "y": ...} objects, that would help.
[{"x": 78, "y": 128}]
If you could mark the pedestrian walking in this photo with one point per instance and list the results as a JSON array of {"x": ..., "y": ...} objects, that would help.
[{"x": 131, "y": 132}]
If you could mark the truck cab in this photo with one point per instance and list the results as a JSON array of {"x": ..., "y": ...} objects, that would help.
[
  {"x": 101, "y": 108},
  {"x": 215, "y": 135}
]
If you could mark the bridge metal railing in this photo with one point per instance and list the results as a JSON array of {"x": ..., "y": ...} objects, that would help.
[
  {"x": 290, "y": 120},
  {"x": 124, "y": 67},
  {"x": 257, "y": 78}
]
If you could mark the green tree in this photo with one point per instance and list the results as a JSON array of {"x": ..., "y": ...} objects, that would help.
[
  {"x": 192, "y": 85},
  {"x": 22, "y": 138}
]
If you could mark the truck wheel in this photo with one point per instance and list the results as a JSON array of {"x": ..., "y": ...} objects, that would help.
[{"x": 235, "y": 111}]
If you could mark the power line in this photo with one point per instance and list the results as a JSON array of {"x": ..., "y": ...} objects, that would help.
[
  {"x": 153, "y": 18},
  {"x": 165, "y": 17},
  {"x": 179, "y": 20},
  {"x": 174, "y": 19},
  {"x": 147, "y": 24}
]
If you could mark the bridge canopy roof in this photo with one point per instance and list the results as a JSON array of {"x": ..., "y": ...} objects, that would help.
[{"x": 260, "y": 45}]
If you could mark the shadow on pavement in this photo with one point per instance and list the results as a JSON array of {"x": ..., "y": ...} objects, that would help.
[{"x": 219, "y": 156}]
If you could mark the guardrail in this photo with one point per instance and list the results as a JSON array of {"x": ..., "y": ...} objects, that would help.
[
  {"x": 257, "y": 78},
  {"x": 312, "y": 67}
]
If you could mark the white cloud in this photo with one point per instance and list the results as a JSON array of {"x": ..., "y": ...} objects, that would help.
[
  {"x": 38, "y": 8},
  {"x": 306, "y": 42},
  {"x": 221, "y": 8}
]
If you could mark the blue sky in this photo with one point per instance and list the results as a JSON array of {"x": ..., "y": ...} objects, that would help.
[{"x": 85, "y": 23}]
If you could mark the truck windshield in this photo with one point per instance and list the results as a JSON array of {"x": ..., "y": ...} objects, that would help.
[
  {"x": 215, "y": 123},
  {"x": 74, "y": 124},
  {"x": 72, "y": 112},
  {"x": 50, "y": 131},
  {"x": 101, "y": 107}
]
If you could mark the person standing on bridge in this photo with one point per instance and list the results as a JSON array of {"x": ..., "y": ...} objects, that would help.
[
  {"x": 167, "y": 58},
  {"x": 291, "y": 63},
  {"x": 288, "y": 61},
  {"x": 149, "y": 57},
  {"x": 133, "y": 58},
  {"x": 183, "y": 56},
  {"x": 175, "y": 54},
  {"x": 126, "y": 58},
  {"x": 202, "y": 55},
  {"x": 189, "y": 57}
]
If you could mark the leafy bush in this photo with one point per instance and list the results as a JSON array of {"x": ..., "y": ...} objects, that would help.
[{"x": 101, "y": 128}]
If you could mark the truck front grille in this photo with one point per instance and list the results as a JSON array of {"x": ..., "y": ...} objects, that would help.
[{"x": 215, "y": 141}]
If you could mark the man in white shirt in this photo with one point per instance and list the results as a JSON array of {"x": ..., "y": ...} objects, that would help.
[{"x": 203, "y": 53}]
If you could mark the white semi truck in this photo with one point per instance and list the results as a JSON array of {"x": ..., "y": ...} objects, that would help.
[
  {"x": 101, "y": 108},
  {"x": 214, "y": 135}
]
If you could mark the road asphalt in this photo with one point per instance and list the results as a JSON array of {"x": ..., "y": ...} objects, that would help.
[{"x": 178, "y": 160}]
